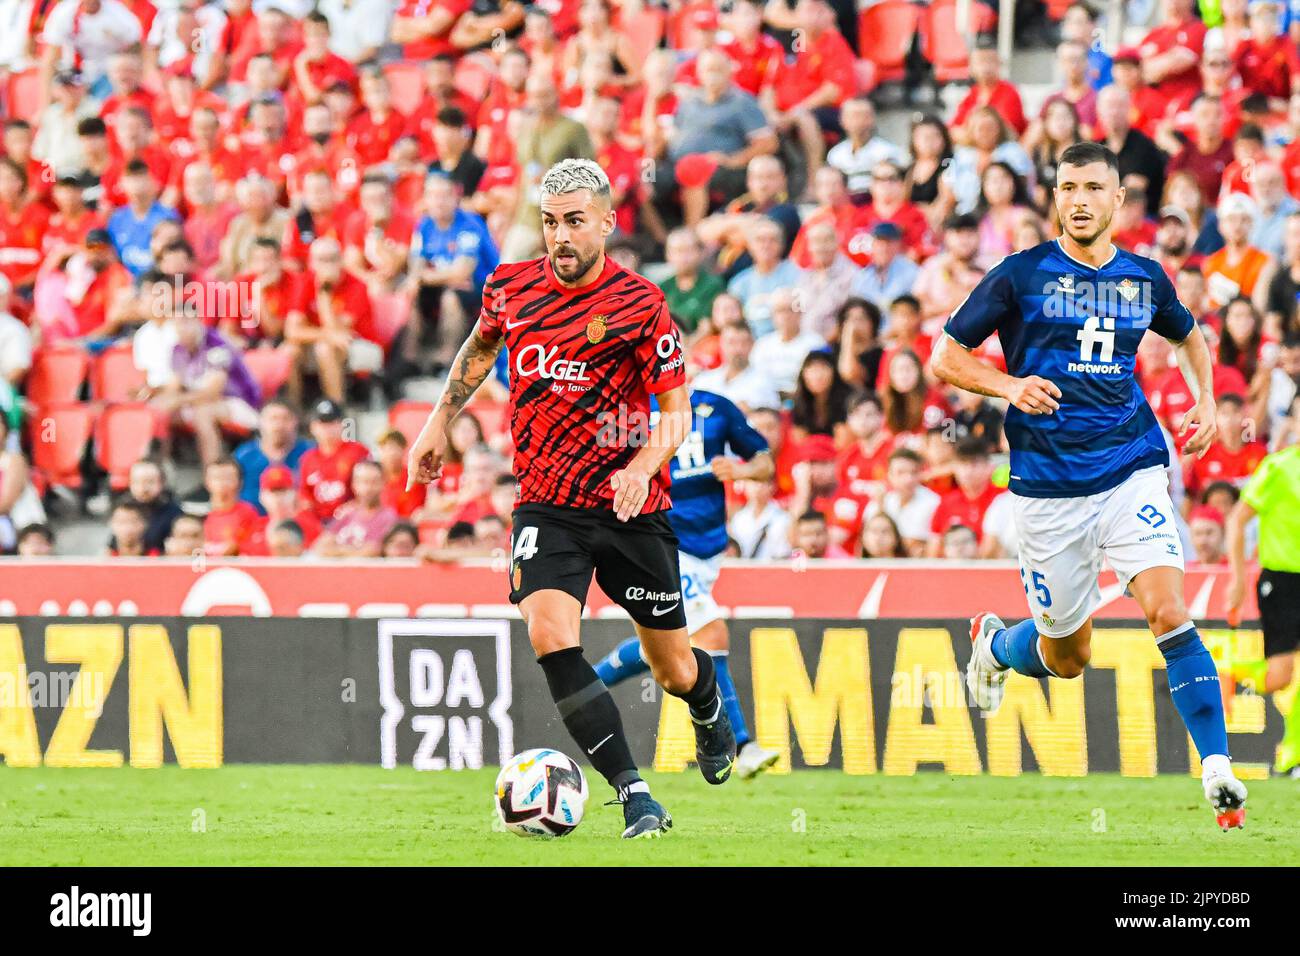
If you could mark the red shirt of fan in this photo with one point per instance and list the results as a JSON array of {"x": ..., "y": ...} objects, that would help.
[
  {"x": 172, "y": 126},
  {"x": 372, "y": 138},
  {"x": 1003, "y": 97},
  {"x": 257, "y": 546},
  {"x": 1171, "y": 399},
  {"x": 1188, "y": 34},
  {"x": 370, "y": 238},
  {"x": 305, "y": 228},
  {"x": 70, "y": 230},
  {"x": 396, "y": 496},
  {"x": 227, "y": 530},
  {"x": 827, "y": 59},
  {"x": 228, "y": 165},
  {"x": 336, "y": 157},
  {"x": 634, "y": 111},
  {"x": 120, "y": 101},
  {"x": 756, "y": 68},
  {"x": 955, "y": 508},
  {"x": 1140, "y": 239},
  {"x": 917, "y": 236},
  {"x": 156, "y": 158},
  {"x": 21, "y": 234},
  {"x": 862, "y": 472},
  {"x": 1267, "y": 68},
  {"x": 272, "y": 300},
  {"x": 324, "y": 73},
  {"x": 623, "y": 167},
  {"x": 424, "y": 118},
  {"x": 349, "y": 299},
  {"x": 1220, "y": 464},
  {"x": 92, "y": 310},
  {"x": 326, "y": 477},
  {"x": 429, "y": 47},
  {"x": 584, "y": 363}
]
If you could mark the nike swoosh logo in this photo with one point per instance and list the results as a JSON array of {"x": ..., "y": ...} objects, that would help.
[
  {"x": 657, "y": 610},
  {"x": 514, "y": 325},
  {"x": 598, "y": 746}
]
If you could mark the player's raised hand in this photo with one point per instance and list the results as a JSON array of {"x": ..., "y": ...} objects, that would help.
[
  {"x": 1034, "y": 395},
  {"x": 631, "y": 488},
  {"x": 1204, "y": 415},
  {"x": 424, "y": 461}
]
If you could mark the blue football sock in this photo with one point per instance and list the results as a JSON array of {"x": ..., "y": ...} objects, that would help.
[
  {"x": 1017, "y": 647},
  {"x": 727, "y": 688},
  {"x": 625, "y": 662},
  {"x": 1194, "y": 686}
]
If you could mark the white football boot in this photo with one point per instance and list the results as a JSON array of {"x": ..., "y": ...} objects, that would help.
[
  {"x": 753, "y": 760},
  {"x": 1225, "y": 792},
  {"x": 985, "y": 678}
]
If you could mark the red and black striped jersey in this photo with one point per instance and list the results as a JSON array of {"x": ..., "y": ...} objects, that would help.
[{"x": 583, "y": 364}]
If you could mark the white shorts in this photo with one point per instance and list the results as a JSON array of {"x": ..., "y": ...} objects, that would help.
[
  {"x": 1064, "y": 540},
  {"x": 698, "y": 577}
]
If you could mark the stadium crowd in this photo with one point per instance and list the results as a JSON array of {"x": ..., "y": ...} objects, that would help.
[{"x": 238, "y": 219}]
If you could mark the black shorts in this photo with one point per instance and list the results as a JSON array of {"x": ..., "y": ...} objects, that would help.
[
  {"x": 1278, "y": 595},
  {"x": 635, "y": 562}
]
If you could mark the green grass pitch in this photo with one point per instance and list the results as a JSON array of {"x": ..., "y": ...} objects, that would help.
[{"x": 328, "y": 815}]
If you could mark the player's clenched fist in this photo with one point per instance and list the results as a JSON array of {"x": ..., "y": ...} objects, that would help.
[
  {"x": 630, "y": 490},
  {"x": 424, "y": 462},
  {"x": 1034, "y": 395}
]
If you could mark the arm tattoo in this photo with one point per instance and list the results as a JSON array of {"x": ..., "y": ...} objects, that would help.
[{"x": 472, "y": 366}]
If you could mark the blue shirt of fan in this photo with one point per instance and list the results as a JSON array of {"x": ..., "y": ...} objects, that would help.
[
  {"x": 699, "y": 513},
  {"x": 1079, "y": 327},
  {"x": 131, "y": 236},
  {"x": 466, "y": 237}
]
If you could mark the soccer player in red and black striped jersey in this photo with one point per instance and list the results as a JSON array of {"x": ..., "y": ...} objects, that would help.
[{"x": 589, "y": 342}]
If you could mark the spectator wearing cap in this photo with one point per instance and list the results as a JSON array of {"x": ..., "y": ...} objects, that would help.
[
  {"x": 452, "y": 254},
  {"x": 822, "y": 289},
  {"x": 331, "y": 324},
  {"x": 690, "y": 288},
  {"x": 990, "y": 88},
  {"x": 862, "y": 149},
  {"x": 1207, "y": 529},
  {"x": 1174, "y": 237},
  {"x": 945, "y": 279},
  {"x": 325, "y": 471},
  {"x": 756, "y": 285},
  {"x": 1238, "y": 268},
  {"x": 377, "y": 237},
  {"x": 56, "y": 143},
  {"x": 131, "y": 227},
  {"x": 359, "y": 526},
  {"x": 779, "y": 354},
  {"x": 717, "y": 130},
  {"x": 84, "y": 34},
  {"x": 1275, "y": 207},
  {"x": 358, "y": 28},
  {"x": 87, "y": 297},
  {"x": 277, "y": 443},
  {"x": 736, "y": 378},
  {"x": 211, "y": 390},
  {"x": 889, "y": 274},
  {"x": 277, "y": 499},
  {"x": 1138, "y": 155},
  {"x": 15, "y": 341}
]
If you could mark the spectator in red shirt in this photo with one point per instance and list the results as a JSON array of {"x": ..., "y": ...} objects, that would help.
[
  {"x": 391, "y": 446},
  {"x": 134, "y": 139},
  {"x": 1172, "y": 50},
  {"x": 377, "y": 238},
  {"x": 967, "y": 503},
  {"x": 1133, "y": 230},
  {"x": 18, "y": 147},
  {"x": 230, "y": 521},
  {"x": 889, "y": 204},
  {"x": 319, "y": 216},
  {"x": 71, "y": 220},
  {"x": 1267, "y": 61},
  {"x": 273, "y": 292},
  {"x": 439, "y": 93},
  {"x": 807, "y": 94},
  {"x": 325, "y": 472},
  {"x": 864, "y": 465},
  {"x": 757, "y": 55},
  {"x": 988, "y": 88},
  {"x": 174, "y": 113},
  {"x": 378, "y": 126},
  {"x": 316, "y": 68},
  {"x": 1208, "y": 153},
  {"x": 22, "y": 227},
  {"x": 1234, "y": 455},
  {"x": 269, "y": 144},
  {"x": 278, "y": 495},
  {"x": 423, "y": 27},
  {"x": 332, "y": 311},
  {"x": 359, "y": 525},
  {"x": 271, "y": 36},
  {"x": 125, "y": 72},
  {"x": 324, "y": 150}
]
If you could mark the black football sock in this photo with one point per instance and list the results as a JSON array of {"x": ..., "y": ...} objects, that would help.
[
  {"x": 592, "y": 718},
  {"x": 702, "y": 699}
]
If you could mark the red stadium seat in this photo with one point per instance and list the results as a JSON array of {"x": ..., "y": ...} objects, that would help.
[
  {"x": 59, "y": 434},
  {"x": 885, "y": 35},
  {"x": 406, "y": 81},
  {"x": 474, "y": 76},
  {"x": 122, "y": 437},
  {"x": 23, "y": 95},
  {"x": 56, "y": 375},
  {"x": 113, "y": 375},
  {"x": 390, "y": 313},
  {"x": 408, "y": 417},
  {"x": 944, "y": 46},
  {"x": 270, "y": 368}
]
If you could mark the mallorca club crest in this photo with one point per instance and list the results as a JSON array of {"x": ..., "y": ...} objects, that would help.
[
  {"x": 596, "y": 329},
  {"x": 516, "y": 576},
  {"x": 1128, "y": 289}
]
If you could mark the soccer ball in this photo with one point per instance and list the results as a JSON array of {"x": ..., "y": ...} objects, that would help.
[{"x": 541, "y": 793}]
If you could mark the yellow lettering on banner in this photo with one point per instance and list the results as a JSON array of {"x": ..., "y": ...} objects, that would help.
[
  {"x": 1247, "y": 712},
  {"x": 1056, "y": 734},
  {"x": 950, "y": 740},
  {"x": 98, "y": 649},
  {"x": 675, "y": 744},
  {"x": 842, "y": 691},
  {"x": 193, "y": 721},
  {"x": 18, "y": 741},
  {"x": 1133, "y": 655}
]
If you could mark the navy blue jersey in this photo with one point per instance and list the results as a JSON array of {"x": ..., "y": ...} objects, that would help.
[
  {"x": 1079, "y": 327},
  {"x": 699, "y": 513}
]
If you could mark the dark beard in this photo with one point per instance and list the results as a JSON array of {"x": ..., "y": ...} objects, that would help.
[
  {"x": 1178, "y": 250},
  {"x": 584, "y": 263},
  {"x": 1089, "y": 240}
]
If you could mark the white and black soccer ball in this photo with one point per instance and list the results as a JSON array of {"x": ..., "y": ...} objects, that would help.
[{"x": 541, "y": 793}]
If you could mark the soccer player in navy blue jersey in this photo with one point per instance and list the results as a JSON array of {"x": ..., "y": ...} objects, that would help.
[{"x": 1088, "y": 457}]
